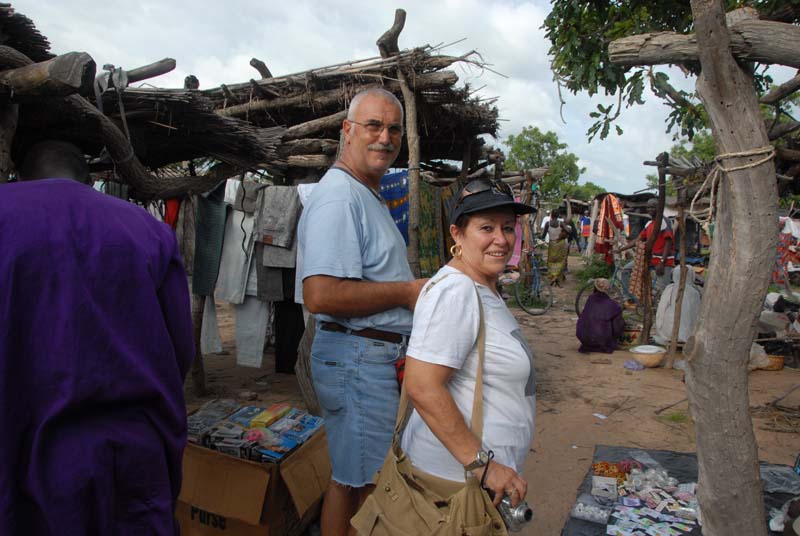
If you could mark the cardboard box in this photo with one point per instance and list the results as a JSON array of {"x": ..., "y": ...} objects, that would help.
[{"x": 226, "y": 496}]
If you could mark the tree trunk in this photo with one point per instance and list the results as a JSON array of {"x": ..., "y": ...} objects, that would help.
[
  {"x": 741, "y": 260},
  {"x": 412, "y": 138},
  {"x": 752, "y": 40}
]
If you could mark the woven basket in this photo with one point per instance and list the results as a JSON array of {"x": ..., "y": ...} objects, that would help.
[
  {"x": 650, "y": 360},
  {"x": 775, "y": 363}
]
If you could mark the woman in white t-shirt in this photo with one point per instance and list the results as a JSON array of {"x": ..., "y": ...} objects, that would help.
[{"x": 442, "y": 356}]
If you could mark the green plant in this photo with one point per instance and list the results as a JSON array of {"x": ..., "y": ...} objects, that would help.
[
  {"x": 596, "y": 267},
  {"x": 676, "y": 417}
]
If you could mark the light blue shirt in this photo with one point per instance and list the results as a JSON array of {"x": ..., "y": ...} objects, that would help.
[{"x": 346, "y": 231}]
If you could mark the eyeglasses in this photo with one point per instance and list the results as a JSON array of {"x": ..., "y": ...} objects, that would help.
[
  {"x": 375, "y": 128},
  {"x": 484, "y": 185}
]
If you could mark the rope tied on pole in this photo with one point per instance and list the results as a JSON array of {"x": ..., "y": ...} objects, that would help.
[{"x": 704, "y": 216}]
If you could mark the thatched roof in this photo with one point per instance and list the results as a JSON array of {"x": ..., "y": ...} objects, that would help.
[{"x": 19, "y": 32}]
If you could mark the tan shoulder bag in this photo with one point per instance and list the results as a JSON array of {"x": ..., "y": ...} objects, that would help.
[{"x": 403, "y": 505}]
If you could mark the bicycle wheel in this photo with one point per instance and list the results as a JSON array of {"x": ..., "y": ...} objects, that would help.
[{"x": 533, "y": 293}]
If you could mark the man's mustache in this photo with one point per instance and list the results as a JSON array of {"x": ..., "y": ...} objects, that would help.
[{"x": 389, "y": 147}]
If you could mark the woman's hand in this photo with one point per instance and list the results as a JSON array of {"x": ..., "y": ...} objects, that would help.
[{"x": 503, "y": 480}]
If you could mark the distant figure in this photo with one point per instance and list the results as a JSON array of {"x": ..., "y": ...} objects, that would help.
[
  {"x": 96, "y": 340},
  {"x": 600, "y": 324},
  {"x": 556, "y": 232},
  {"x": 690, "y": 309},
  {"x": 585, "y": 223}
]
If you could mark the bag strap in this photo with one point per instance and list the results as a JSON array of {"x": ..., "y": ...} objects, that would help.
[{"x": 476, "y": 420}]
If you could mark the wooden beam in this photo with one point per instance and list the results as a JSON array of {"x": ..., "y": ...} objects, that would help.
[
  {"x": 387, "y": 43},
  {"x": 330, "y": 97},
  {"x": 782, "y": 91},
  {"x": 309, "y": 146},
  {"x": 63, "y": 75},
  {"x": 303, "y": 130},
  {"x": 152, "y": 70},
  {"x": 310, "y": 161},
  {"x": 750, "y": 40},
  {"x": 261, "y": 67}
]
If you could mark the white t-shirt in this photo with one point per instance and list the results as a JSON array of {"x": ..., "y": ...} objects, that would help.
[{"x": 445, "y": 332}]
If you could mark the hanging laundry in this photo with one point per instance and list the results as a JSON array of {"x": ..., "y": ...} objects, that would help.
[
  {"x": 237, "y": 253},
  {"x": 209, "y": 232},
  {"x": 172, "y": 207},
  {"x": 252, "y": 320}
]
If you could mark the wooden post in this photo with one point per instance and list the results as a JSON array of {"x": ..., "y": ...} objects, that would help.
[
  {"x": 647, "y": 324},
  {"x": 676, "y": 319},
  {"x": 412, "y": 138},
  {"x": 592, "y": 237},
  {"x": 9, "y": 115},
  {"x": 198, "y": 369}
]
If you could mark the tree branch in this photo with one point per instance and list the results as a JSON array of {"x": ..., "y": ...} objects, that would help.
[{"x": 750, "y": 40}]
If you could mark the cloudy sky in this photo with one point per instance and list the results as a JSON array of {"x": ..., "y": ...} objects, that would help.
[{"x": 215, "y": 40}]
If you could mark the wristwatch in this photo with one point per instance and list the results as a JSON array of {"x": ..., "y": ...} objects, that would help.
[{"x": 481, "y": 459}]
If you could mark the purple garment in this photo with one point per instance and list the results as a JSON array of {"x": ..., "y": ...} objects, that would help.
[
  {"x": 600, "y": 324},
  {"x": 95, "y": 341}
]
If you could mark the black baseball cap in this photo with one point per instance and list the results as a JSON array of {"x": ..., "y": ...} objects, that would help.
[{"x": 483, "y": 194}]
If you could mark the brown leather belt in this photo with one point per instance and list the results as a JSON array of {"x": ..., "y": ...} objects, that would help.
[{"x": 367, "y": 333}]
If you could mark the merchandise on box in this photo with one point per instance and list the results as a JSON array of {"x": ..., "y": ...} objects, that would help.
[
  {"x": 297, "y": 425},
  {"x": 270, "y": 415},
  {"x": 203, "y": 420}
]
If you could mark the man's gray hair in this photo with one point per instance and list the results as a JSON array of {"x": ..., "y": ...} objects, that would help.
[{"x": 373, "y": 92}]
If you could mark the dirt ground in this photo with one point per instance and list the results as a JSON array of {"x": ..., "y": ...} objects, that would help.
[{"x": 571, "y": 388}]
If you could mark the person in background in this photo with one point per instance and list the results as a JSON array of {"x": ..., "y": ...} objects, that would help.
[
  {"x": 600, "y": 324},
  {"x": 357, "y": 281},
  {"x": 585, "y": 224},
  {"x": 663, "y": 259},
  {"x": 443, "y": 355},
  {"x": 96, "y": 341},
  {"x": 690, "y": 309},
  {"x": 556, "y": 232}
]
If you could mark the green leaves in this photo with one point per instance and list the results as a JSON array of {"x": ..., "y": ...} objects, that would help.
[{"x": 533, "y": 148}]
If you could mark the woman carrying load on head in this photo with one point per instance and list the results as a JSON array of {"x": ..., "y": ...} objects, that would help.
[{"x": 443, "y": 357}]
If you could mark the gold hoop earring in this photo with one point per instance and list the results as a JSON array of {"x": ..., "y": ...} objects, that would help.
[{"x": 455, "y": 250}]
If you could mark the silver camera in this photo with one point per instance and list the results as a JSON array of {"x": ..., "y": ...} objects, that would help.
[{"x": 515, "y": 517}]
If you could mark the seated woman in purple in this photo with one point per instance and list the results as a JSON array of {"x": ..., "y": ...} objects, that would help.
[{"x": 600, "y": 324}]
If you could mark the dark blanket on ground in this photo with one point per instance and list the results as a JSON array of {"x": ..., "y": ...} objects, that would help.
[{"x": 682, "y": 466}]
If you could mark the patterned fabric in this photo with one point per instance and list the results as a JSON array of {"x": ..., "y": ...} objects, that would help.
[
  {"x": 610, "y": 216},
  {"x": 394, "y": 190},
  {"x": 636, "y": 285},
  {"x": 431, "y": 237},
  {"x": 556, "y": 260}
]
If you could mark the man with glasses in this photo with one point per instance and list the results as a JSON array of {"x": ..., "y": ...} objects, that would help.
[{"x": 356, "y": 280}]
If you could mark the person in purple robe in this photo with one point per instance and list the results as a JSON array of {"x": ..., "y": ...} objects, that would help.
[
  {"x": 600, "y": 324},
  {"x": 95, "y": 342}
]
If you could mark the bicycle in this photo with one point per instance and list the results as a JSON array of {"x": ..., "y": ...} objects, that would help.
[
  {"x": 618, "y": 292},
  {"x": 531, "y": 290}
]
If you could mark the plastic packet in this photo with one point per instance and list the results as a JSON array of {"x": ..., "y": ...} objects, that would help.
[{"x": 589, "y": 509}]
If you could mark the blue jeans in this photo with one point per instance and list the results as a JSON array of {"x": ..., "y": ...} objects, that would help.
[{"x": 356, "y": 384}]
